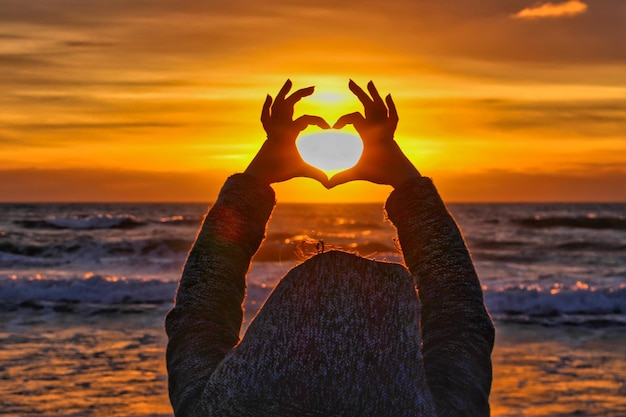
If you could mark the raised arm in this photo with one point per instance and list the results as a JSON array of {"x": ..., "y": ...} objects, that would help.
[
  {"x": 205, "y": 322},
  {"x": 457, "y": 332},
  {"x": 204, "y": 325}
]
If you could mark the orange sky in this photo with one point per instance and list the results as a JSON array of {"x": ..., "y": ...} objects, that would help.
[{"x": 111, "y": 100}]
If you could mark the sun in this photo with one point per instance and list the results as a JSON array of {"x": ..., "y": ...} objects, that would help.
[{"x": 331, "y": 151}]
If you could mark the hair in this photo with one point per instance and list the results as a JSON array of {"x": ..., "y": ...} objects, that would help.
[{"x": 307, "y": 248}]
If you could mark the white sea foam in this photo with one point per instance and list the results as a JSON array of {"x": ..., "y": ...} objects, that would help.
[
  {"x": 534, "y": 302},
  {"x": 575, "y": 305},
  {"x": 91, "y": 288},
  {"x": 530, "y": 271},
  {"x": 97, "y": 221}
]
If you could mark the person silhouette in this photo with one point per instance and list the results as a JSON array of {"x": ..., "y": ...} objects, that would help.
[{"x": 340, "y": 335}]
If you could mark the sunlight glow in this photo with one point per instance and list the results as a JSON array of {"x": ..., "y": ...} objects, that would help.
[
  {"x": 331, "y": 151},
  {"x": 330, "y": 98},
  {"x": 97, "y": 113}
]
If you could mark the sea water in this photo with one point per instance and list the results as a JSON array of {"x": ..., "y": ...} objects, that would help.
[
  {"x": 546, "y": 263},
  {"x": 84, "y": 289}
]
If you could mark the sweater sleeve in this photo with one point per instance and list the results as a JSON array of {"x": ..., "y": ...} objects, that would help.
[
  {"x": 205, "y": 322},
  {"x": 457, "y": 332}
]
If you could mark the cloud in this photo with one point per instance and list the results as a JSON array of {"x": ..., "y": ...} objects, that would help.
[
  {"x": 551, "y": 120},
  {"x": 97, "y": 126},
  {"x": 85, "y": 185},
  {"x": 552, "y": 10},
  {"x": 11, "y": 36},
  {"x": 18, "y": 61},
  {"x": 128, "y": 73},
  {"x": 593, "y": 119},
  {"x": 88, "y": 44},
  {"x": 591, "y": 183}
]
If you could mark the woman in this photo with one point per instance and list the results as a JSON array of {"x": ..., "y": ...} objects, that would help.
[{"x": 340, "y": 335}]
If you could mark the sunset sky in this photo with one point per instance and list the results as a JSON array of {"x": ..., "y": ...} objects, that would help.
[{"x": 159, "y": 100}]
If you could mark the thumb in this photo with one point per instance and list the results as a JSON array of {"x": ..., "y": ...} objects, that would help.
[
  {"x": 303, "y": 122},
  {"x": 309, "y": 171},
  {"x": 343, "y": 177},
  {"x": 356, "y": 119}
]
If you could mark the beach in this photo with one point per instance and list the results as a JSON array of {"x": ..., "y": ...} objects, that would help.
[
  {"x": 548, "y": 371},
  {"x": 113, "y": 364},
  {"x": 84, "y": 290}
]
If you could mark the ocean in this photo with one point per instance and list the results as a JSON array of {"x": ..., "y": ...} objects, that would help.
[{"x": 84, "y": 289}]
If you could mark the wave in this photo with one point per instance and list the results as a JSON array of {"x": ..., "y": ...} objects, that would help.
[
  {"x": 495, "y": 244},
  {"x": 351, "y": 224},
  {"x": 528, "y": 254},
  {"x": 181, "y": 221},
  {"x": 29, "y": 292},
  {"x": 85, "y": 249},
  {"x": 582, "y": 245},
  {"x": 105, "y": 221},
  {"x": 92, "y": 222},
  {"x": 587, "y": 222},
  {"x": 576, "y": 305}
]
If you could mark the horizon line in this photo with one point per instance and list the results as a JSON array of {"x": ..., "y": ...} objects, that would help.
[{"x": 319, "y": 202}]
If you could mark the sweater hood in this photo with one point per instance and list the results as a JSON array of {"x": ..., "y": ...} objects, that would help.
[{"x": 338, "y": 336}]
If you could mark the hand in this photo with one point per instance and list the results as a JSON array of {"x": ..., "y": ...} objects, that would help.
[
  {"x": 278, "y": 159},
  {"x": 382, "y": 160}
]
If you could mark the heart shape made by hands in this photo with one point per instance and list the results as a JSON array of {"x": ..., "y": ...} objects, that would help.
[{"x": 332, "y": 151}]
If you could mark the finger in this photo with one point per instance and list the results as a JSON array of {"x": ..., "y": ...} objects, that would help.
[
  {"x": 343, "y": 177},
  {"x": 265, "y": 113},
  {"x": 362, "y": 95},
  {"x": 374, "y": 93},
  {"x": 283, "y": 91},
  {"x": 303, "y": 122},
  {"x": 355, "y": 119},
  {"x": 309, "y": 171},
  {"x": 280, "y": 97},
  {"x": 297, "y": 96},
  {"x": 393, "y": 112}
]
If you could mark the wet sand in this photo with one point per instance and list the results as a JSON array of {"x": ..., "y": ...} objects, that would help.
[
  {"x": 111, "y": 362},
  {"x": 559, "y": 371},
  {"x": 108, "y": 364}
]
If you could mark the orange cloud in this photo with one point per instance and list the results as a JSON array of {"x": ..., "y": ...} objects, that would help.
[
  {"x": 548, "y": 10},
  {"x": 119, "y": 101}
]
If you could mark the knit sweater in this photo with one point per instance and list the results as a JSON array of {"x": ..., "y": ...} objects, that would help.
[{"x": 340, "y": 335}]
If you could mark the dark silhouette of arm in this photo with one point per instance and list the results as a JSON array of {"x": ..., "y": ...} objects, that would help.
[
  {"x": 457, "y": 332},
  {"x": 204, "y": 325}
]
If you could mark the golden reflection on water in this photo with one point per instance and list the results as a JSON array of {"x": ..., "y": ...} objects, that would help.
[
  {"x": 113, "y": 363},
  {"x": 558, "y": 371}
]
